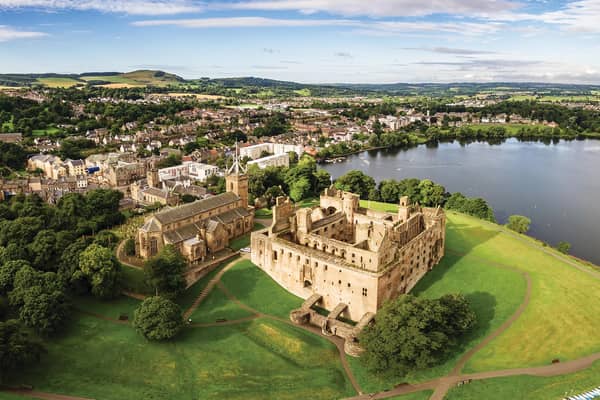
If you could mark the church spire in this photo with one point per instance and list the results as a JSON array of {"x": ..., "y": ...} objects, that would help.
[{"x": 237, "y": 165}]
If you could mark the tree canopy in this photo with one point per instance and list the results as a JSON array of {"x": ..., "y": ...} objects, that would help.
[
  {"x": 158, "y": 318},
  {"x": 413, "y": 333},
  {"x": 518, "y": 223},
  {"x": 164, "y": 272},
  {"x": 98, "y": 265}
]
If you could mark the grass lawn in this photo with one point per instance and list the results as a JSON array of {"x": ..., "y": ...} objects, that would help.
[
  {"x": 46, "y": 132},
  {"x": 244, "y": 241},
  {"x": 108, "y": 308},
  {"x": 263, "y": 213},
  {"x": 10, "y": 396},
  {"x": 494, "y": 294},
  {"x": 313, "y": 201},
  {"x": 303, "y": 92},
  {"x": 186, "y": 299},
  {"x": 255, "y": 288},
  {"x": 217, "y": 306},
  {"x": 529, "y": 387},
  {"x": 560, "y": 299},
  {"x": 133, "y": 280},
  {"x": 262, "y": 359},
  {"x": 424, "y": 395}
]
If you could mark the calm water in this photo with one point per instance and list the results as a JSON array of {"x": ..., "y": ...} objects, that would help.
[{"x": 556, "y": 185}]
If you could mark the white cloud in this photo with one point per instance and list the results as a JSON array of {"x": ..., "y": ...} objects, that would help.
[
  {"x": 577, "y": 16},
  {"x": 7, "y": 33},
  {"x": 364, "y": 27},
  {"x": 246, "y": 22},
  {"x": 378, "y": 8},
  {"x": 134, "y": 7}
]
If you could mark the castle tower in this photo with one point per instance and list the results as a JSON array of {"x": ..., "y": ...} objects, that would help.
[
  {"x": 404, "y": 209},
  {"x": 236, "y": 180}
]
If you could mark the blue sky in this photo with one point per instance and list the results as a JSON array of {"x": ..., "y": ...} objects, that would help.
[{"x": 316, "y": 41}]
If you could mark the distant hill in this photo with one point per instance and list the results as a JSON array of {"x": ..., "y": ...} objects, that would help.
[
  {"x": 137, "y": 78},
  {"x": 261, "y": 87}
]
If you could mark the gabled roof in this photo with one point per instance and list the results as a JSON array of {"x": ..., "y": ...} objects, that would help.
[
  {"x": 188, "y": 210},
  {"x": 151, "y": 225}
]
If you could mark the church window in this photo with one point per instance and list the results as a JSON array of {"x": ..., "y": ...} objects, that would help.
[{"x": 364, "y": 292}]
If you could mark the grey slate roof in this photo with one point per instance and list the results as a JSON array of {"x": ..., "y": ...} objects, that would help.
[
  {"x": 197, "y": 207},
  {"x": 189, "y": 231}
]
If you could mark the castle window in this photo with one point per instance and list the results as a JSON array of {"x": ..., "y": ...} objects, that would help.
[
  {"x": 339, "y": 282},
  {"x": 348, "y": 284},
  {"x": 325, "y": 267},
  {"x": 275, "y": 255},
  {"x": 364, "y": 292}
]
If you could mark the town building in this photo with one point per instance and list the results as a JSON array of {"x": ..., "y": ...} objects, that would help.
[
  {"x": 188, "y": 169},
  {"x": 276, "y": 160},
  {"x": 348, "y": 259},
  {"x": 256, "y": 151}
]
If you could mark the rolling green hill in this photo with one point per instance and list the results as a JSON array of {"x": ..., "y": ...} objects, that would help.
[{"x": 140, "y": 78}]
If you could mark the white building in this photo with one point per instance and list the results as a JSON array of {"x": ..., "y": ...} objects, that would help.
[
  {"x": 277, "y": 160},
  {"x": 254, "y": 152},
  {"x": 189, "y": 169}
]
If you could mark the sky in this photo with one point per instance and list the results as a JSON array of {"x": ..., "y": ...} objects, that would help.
[{"x": 311, "y": 41}]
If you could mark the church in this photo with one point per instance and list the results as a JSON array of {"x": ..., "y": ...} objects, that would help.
[{"x": 204, "y": 227}]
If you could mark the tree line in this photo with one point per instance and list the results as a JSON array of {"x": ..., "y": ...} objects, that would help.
[
  {"x": 424, "y": 192},
  {"x": 47, "y": 254}
]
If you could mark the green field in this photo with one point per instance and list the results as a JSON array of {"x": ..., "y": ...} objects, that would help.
[
  {"x": 266, "y": 358},
  {"x": 560, "y": 300},
  {"x": 46, "y": 132},
  {"x": 256, "y": 289},
  {"x": 424, "y": 395},
  {"x": 303, "y": 92},
  {"x": 263, "y": 213},
  {"x": 493, "y": 292},
  {"x": 244, "y": 241},
  {"x": 256, "y": 360},
  {"x": 59, "y": 82},
  {"x": 529, "y": 387},
  {"x": 218, "y": 306}
]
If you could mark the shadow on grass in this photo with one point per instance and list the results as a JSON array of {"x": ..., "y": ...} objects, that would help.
[
  {"x": 459, "y": 242},
  {"x": 242, "y": 280}
]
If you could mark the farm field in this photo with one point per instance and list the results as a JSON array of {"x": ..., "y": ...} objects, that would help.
[{"x": 59, "y": 82}]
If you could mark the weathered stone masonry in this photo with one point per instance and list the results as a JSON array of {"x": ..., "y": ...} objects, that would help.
[{"x": 346, "y": 258}]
